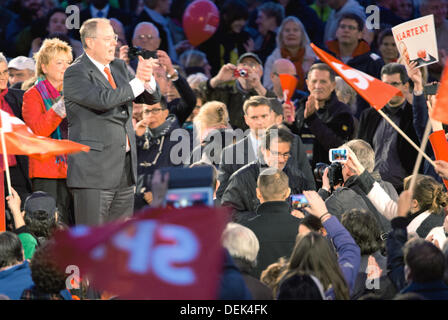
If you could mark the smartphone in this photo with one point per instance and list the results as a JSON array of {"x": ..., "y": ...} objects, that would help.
[
  {"x": 298, "y": 201},
  {"x": 189, "y": 197},
  {"x": 431, "y": 89},
  {"x": 338, "y": 155}
]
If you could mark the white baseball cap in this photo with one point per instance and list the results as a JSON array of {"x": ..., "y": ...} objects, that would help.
[{"x": 22, "y": 63}]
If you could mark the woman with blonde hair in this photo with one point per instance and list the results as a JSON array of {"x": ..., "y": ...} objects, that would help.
[
  {"x": 293, "y": 44},
  {"x": 44, "y": 112},
  {"x": 428, "y": 201},
  {"x": 213, "y": 132}
]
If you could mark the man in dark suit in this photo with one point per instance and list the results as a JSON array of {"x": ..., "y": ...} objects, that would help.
[
  {"x": 11, "y": 102},
  {"x": 98, "y": 94}
]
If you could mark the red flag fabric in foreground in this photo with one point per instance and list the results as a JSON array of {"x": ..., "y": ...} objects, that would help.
[
  {"x": 289, "y": 84},
  {"x": 374, "y": 91},
  {"x": 159, "y": 254},
  {"x": 21, "y": 140},
  {"x": 440, "y": 108}
]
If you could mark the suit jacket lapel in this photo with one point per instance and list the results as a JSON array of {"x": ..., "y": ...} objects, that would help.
[{"x": 93, "y": 70}]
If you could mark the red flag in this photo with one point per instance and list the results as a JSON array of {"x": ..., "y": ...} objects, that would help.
[
  {"x": 20, "y": 140},
  {"x": 159, "y": 254},
  {"x": 374, "y": 91},
  {"x": 289, "y": 84},
  {"x": 440, "y": 108}
]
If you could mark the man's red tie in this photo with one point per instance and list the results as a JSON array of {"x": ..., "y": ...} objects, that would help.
[{"x": 110, "y": 78}]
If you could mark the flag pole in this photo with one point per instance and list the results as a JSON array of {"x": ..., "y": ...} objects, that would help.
[
  {"x": 5, "y": 161},
  {"x": 420, "y": 156},
  {"x": 420, "y": 151}
]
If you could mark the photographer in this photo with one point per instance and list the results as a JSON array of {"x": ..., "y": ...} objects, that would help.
[
  {"x": 346, "y": 194},
  {"x": 247, "y": 73},
  {"x": 181, "y": 98}
]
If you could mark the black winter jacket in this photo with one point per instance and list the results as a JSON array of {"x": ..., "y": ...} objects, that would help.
[{"x": 332, "y": 126}]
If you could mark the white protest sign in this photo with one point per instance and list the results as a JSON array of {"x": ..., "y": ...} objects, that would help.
[{"x": 416, "y": 40}]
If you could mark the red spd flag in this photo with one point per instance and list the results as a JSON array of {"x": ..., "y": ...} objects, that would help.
[
  {"x": 159, "y": 254},
  {"x": 289, "y": 84},
  {"x": 374, "y": 91},
  {"x": 20, "y": 140},
  {"x": 440, "y": 108}
]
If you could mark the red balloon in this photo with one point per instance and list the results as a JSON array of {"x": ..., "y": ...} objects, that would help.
[{"x": 200, "y": 21}]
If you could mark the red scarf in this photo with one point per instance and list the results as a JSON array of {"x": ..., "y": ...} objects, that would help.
[
  {"x": 6, "y": 107},
  {"x": 298, "y": 61}
]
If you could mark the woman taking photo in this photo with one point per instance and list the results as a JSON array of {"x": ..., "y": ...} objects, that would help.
[{"x": 44, "y": 112}]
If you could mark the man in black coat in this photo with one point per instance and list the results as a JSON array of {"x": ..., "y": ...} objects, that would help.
[
  {"x": 322, "y": 115},
  {"x": 394, "y": 156},
  {"x": 11, "y": 100},
  {"x": 259, "y": 115},
  {"x": 273, "y": 224},
  {"x": 275, "y": 151},
  {"x": 354, "y": 51}
]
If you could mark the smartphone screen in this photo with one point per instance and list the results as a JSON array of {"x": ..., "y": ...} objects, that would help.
[
  {"x": 189, "y": 197},
  {"x": 338, "y": 155},
  {"x": 298, "y": 201}
]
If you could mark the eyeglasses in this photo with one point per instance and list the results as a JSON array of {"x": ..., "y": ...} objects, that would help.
[
  {"x": 395, "y": 84},
  {"x": 154, "y": 111},
  {"x": 346, "y": 26},
  {"x": 285, "y": 155},
  {"x": 108, "y": 39},
  {"x": 146, "y": 37}
]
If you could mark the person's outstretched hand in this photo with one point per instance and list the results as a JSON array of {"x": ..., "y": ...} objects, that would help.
[
  {"x": 404, "y": 203},
  {"x": 441, "y": 168},
  {"x": 317, "y": 205},
  {"x": 353, "y": 163}
]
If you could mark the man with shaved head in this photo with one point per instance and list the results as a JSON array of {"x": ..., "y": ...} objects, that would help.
[{"x": 284, "y": 66}]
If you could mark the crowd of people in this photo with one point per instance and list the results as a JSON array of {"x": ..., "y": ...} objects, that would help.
[{"x": 127, "y": 81}]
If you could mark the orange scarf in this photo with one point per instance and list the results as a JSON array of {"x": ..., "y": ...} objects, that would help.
[{"x": 297, "y": 60}]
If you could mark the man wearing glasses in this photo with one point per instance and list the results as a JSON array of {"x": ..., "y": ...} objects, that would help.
[
  {"x": 350, "y": 47},
  {"x": 98, "y": 94},
  {"x": 394, "y": 157},
  {"x": 275, "y": 150},
  {"x": 154, "y": 144}
]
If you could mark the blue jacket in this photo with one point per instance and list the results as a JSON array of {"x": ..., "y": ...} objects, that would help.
[
  {"x": 436, "y": 290},
  {"x": 16, "y": 279},
  {"x": 349, "y": 254}
]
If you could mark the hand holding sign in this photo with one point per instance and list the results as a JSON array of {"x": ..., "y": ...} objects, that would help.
[{"x": 416, "y": 41}]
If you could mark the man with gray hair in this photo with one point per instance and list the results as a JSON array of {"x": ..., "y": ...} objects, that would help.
[
  {"x": 98, "y": 94},
  {"x": 243, "y": 247}
]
